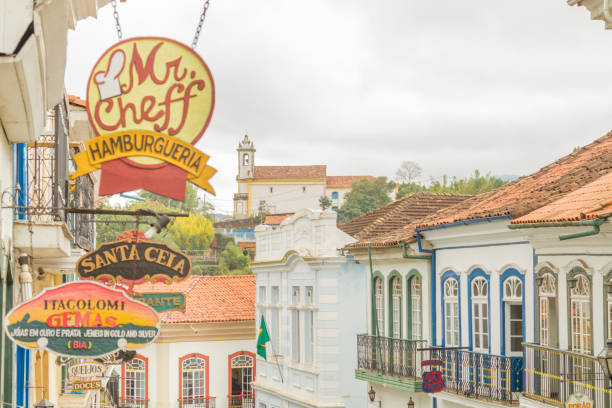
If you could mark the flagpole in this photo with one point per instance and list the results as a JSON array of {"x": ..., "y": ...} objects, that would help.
[{"x": 277, "y": 364}]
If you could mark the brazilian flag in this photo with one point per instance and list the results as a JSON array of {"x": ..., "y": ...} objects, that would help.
[{"x": 262, "y": 338}]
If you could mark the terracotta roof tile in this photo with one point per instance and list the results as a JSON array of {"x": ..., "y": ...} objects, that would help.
[
  {"x": 289, "y": 172},
  {"x": 276, "y": 219},
  {"x": 344, "y": 181},
  {"x": 528, "y": 193},
  {"x": 224, "y": 298},
  {"x": 378, "y": 227},
  {"x": 588, "y": 202},
  {"x": 75, "y": 100}
]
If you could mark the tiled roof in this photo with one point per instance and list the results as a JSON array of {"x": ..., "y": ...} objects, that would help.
[
  {"x": 289, "y": 172},
  {"x": 344, "y": 181},
  {"x": 75, "y": 100},
  {"x": 528, "y": 193},
  {"x": 276, "y": 219},
  {"x": 373, "y": 227},
  {"x": 588, "y": 202},
  {"x": 226, "y": 298}
]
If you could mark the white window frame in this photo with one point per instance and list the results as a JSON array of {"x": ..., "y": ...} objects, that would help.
[
  {"x": 416, "y": 288},
  {"x": 451, "y": 312},
  {"x": 480, "y": 315},
  {"x": 379, "y": 296},
  {"x": 396, "y": 307},
  {"x": 580, "y": 315},
  {"x": 512, "y": 297}
]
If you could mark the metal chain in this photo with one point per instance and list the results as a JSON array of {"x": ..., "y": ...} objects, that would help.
[
  {"x": 196, "y": 37},
  {"x": 116, "y": 15}
]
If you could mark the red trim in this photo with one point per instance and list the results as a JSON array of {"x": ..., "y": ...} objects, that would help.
[
  {"x": 146, "y": 361},
  {"x": 229, "y": 373},
  {"x": 206, "y": 370}
]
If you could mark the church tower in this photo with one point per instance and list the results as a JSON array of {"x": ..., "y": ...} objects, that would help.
[
  {"x": 246, "y": 158},
  {"x": 246, "y": 165}
]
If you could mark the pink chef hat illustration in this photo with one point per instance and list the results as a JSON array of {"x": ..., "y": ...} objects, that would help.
[{"x": 108, "y": 81}]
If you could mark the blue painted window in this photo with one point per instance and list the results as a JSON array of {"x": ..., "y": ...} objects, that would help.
[
  {"x": 335, "y": 208},
  {"x": 335, "y": 195},
  {"x": 451, "y": 312},
  {"x": 479, "y": 311},
  {"x": 512, "y": 313}
]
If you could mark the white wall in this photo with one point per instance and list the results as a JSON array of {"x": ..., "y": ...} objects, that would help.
[
  {"x": 286, "y": 196},
  {"x": 164, "y": 368}
]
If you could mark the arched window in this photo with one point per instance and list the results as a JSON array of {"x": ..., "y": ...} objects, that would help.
[
  {"x": 245, "y": 159},
  {"x": 451, "y": 312},
  {"x": 134, "y": 390},
  {"x": 379, "y": 320},
  {"x": 334, "y": 195},
  {"x": 416, "y": 310},
  {"x": 241, "y": 375},
  {"x": 395, "y": 286},
  {"x": 547, "y": 305},
  {"x": 580, "y": 312},
  {"x": 512, "y": 317},
  {"x": 480, "y": 314},
  {"x": 193, "y": 381}
]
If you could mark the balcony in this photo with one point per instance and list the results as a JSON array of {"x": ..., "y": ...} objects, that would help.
[
  {"x": 241, "y": 401},
  {"x": 197, "y": 402},
  {"x": 393, "y": 362},
  {"x": 552, "y": 375},
  {"x": 42, "y": 224},
  {"x": 134, "y": 403},
  {"x": 484, "y": 377}
]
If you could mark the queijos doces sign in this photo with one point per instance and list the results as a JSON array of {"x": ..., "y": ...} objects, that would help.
[
  {"x": 134, "y": 262},
  {"x": 149, "y": 100},
  {"x": 82, "y": 319},
  {"x": 88, "y": 369}
]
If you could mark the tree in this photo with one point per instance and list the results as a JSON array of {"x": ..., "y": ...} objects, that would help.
[
  {"x": 324, "y": 202},
  {"x": 408, "y": 172},
  {"x": 366, "y": 195},
  {"x": 191, "y": 233},
  {"x": 474, "y": 184},
  {"x": 191, "y": 204},
  {"x": 233, "y": 261}
]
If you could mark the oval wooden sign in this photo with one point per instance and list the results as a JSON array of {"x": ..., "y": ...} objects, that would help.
[
  {"x": 88, "y": 369},
  {"x": 134, "y": 262}
]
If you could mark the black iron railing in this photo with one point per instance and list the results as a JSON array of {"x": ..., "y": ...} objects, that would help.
[
  {"x": 398, "y": 357},
  {"x": 197, "y": 402},
  {"x": 241, "y": 401},
  {"x": 552, "y": 375},
  {"x": 480, "y": 376}
]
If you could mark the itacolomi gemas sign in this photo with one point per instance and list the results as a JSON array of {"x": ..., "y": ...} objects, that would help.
[
  {"x": 82, "y": 319},
  {"x": 149, "y": 100}
]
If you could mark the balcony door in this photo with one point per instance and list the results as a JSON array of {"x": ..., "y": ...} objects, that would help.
[
  {"x": 513, "y": 316},
  {"x": 242, "y": 373},
  {"x": 480, "y": 314}
]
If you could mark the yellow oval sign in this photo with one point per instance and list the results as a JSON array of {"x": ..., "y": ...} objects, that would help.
[{"x": 151, "y": 84}]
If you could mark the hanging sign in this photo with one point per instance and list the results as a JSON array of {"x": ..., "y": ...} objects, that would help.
[
  {"x": 579, "y": 400},
  {"x": 149, "y": 100},
  {"x": 86, "y": 385},
  {"x": 163, "y": 302},
  {"x": 88, "y": 369},
  {"x": 82, "y": 319},
  {"x": 432, "y": 380},
  {"x": 134, "y": 262}
]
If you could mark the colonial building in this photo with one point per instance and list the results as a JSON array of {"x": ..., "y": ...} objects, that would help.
[
  {"x": 284, "y": 189},
  {"x": 311, "y": 297},
  {"x": 204, "y": 357},
  {"x": 399, "y": 292}
]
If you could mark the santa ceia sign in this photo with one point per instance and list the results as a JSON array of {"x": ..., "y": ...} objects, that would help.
[
  {"x": 82, "y": 319},
  {"x": 134, "y": 262},
  {"x": 149, "y": 100}
]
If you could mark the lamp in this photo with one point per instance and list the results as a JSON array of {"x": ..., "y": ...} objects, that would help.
[
  {"x": 372, "y": 394},
  {"x": 605, "y": 360},
  {"x": 410, "y": 403},
  {"x": 44, "y": 403},
  {"x": 159, "y": 224}
]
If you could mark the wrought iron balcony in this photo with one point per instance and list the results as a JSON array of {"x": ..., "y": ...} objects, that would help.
[
  {"x": 133, "y": 403},
  {"x": 481, "y": 376},
  {"x": 388, "y": 356},
  {"x": 241, "y": 401},
  {"x": 552, "y": 375},
  {"x": 197, "y": 402}
]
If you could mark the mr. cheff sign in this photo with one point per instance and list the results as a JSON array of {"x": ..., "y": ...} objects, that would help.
[
  {"x": 134, "y": 262},
  {"x": 82, "y": 319},
  {"x": 149, "y": 100}
]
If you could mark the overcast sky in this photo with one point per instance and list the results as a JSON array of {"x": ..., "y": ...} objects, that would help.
[{"x": 502, "y": 86}]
